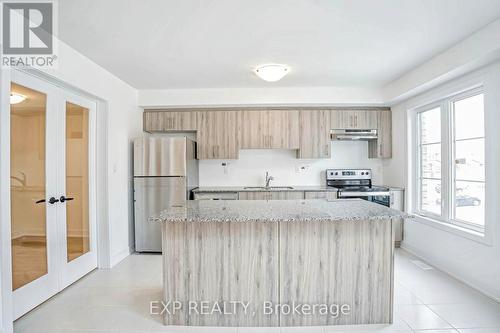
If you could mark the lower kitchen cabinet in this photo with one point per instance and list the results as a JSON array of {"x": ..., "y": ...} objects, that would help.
[
  {"x": 328, "y": 195},
  {"x": 215, "y": 196},
  {"x": 271, "y": 195},
  {"x": 397, "y": 202}
]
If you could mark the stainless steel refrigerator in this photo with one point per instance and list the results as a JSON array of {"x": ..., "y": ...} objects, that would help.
[{"x": 165, "y": 172}]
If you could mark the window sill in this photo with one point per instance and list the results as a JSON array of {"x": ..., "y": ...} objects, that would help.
[{"x": 454, "y": 229}]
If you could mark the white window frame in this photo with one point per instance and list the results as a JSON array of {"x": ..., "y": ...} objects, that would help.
[
  {"x": 453, "y": 219},
  {"x": 418, "y": 168},
  {"x": 446, "y": 220}
]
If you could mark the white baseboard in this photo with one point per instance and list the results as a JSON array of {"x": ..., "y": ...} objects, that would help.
[
  {"x": 117, "y": 257},
  {"x": 443, "y": 267}
]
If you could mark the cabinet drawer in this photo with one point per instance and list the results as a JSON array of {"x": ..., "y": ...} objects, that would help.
[
  {"x": 216, "y": 196},
  {"x": 328, "y": 195}
]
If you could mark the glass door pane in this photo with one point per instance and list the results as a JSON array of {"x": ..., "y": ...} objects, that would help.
[
  {"x": 27, "y": 178},
  {"x": 77, "y": 181}
]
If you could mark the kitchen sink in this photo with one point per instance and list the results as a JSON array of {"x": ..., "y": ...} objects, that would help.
[{"x": 268, "y": 188}]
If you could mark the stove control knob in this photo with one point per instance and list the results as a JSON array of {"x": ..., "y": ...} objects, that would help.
[
  {"x": 367, "y": 173},
  {"x": 336, "y": 173},
  {"x": 362, "y": 173}
]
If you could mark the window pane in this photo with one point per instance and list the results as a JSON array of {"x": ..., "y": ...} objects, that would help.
[
  {"x": 430, "y": 196},
  {"x": 469, "y": 117},
  {"x": 430, "y": 126},
  {"x": 469, "y": 202},
  {"x": 469, "y": 160},
  {"x": 431, "y": 160}
]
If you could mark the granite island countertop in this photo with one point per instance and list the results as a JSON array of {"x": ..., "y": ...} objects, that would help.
[{"x": 276, "y": 211}]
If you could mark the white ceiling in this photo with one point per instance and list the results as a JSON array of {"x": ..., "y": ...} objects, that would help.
[{"x": 158, "y": 44}]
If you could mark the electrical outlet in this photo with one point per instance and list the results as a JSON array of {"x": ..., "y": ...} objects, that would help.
[{"x": 301, "y": 167}]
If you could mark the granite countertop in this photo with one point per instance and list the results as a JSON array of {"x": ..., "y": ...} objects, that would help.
[
  {"x": 312, "y": 188},
  {"x": 276, "y": 211}
]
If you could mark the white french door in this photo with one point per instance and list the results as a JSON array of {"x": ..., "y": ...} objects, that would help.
[{"x": 53, "y": 220}]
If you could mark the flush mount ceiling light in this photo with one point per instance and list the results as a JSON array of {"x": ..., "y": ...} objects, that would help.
[
  {"x": 16, "y": 98},
  {"x": 272, "y": 72}
]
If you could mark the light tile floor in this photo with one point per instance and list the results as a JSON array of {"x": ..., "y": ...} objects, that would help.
[{"x": 117, "y": 300}]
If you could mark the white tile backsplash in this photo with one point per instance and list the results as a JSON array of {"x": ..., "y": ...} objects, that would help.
[{"x": 250, "y": 168}]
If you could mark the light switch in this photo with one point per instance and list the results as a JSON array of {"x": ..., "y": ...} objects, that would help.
[{"x": 225, "y": 166}]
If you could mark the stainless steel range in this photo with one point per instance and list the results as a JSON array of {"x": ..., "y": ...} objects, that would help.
[{"x": 357, "y": 183}]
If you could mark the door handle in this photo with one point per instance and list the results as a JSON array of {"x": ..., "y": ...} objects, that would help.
[
  {"x": 63, "y": 199},
  {"x": 40, "y": 201},
  {"x": 53, "y": 200}
]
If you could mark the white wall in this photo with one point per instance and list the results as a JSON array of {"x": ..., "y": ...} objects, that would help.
[
  {"x": 479, "y": 49},
  {"x": 124, "y": 122},
  {"x": 250, "y": 168},
  {"x": 346, "y": 96},
  {"x": 475, "y": 263}
]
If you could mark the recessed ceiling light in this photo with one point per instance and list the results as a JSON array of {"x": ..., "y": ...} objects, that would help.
[
  {"x": 272, "y": 72},
  {"x": 16, "y": 98}
]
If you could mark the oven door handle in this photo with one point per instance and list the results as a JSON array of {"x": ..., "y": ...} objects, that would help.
[{"x": 362, "y": 194}]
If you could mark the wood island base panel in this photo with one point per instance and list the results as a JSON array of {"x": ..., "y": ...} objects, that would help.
[{"x": 224, "y": 268}]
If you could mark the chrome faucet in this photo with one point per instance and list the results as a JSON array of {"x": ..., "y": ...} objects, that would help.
[{"x": 268, "y": 178}]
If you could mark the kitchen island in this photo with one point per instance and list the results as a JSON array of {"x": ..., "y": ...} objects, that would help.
[{"x": 278, "y": 263}]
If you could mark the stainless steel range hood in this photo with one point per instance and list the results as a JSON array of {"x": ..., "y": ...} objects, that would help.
[{"x": 353, "y": 134}]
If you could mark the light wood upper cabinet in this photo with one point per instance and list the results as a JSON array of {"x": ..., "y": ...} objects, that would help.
[
  {"x": 379, "y": 119},
  {"x": 165, "y": 121},
  {"x": 354, "y": 119},
  {"x": 314, "y": 134},
  {"x": 271, "y": 129},
  {"x": 221, "y": 133},
  {"x": 382, "y": 147},
  {"x": 217, "y": 137},
  {"x": 253, "y": 129},
  {"x": 283, "y": 129}
]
